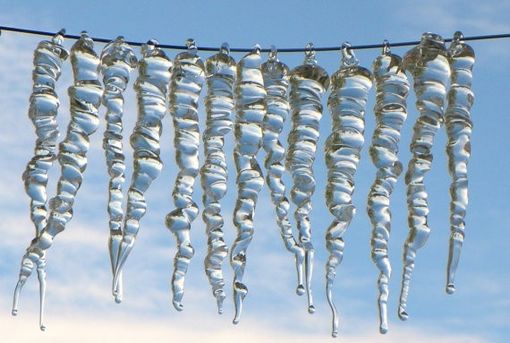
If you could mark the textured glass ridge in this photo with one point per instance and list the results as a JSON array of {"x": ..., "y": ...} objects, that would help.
[
  {"x": 276, "y": 82},
  {"x": 185, "y": 87},
  {"x": 458, "y": 129},
  {"x": 349, "y": 92},
  {"x": 85, "y": 99},
  {"x": 308, "y": 83},
  {"x": 151, "y": 86},
  {"x": 392, "y": 88},
  {"x": 117, "y": 62},
  {"x": 44, "y": 103},
  {"x": 250, "y": 102},
  {"x": 219, "y": 104},
  {"x": 428, "y": 64}
]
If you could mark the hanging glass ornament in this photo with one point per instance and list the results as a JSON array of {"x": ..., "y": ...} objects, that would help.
[
  {"x": 392, "y": 88},
  {"x": 428, "y": 64},
  {"x": 250, "y": 100},
  {"x": 308, "y": 83},
  {"x": 219, "y": 105}
]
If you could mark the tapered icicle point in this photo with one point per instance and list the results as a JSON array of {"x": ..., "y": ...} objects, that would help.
[
  {"x": 219, "y": 104},
  {"x": 151, "y": 86},
  {"x": 186, "y": 85},
  {"x": 117, "y": 61},
  {"x": 392, "y": 88},
  {"x": 276, "y": 82},
  {"x": 347, "y": 101},
  {"x": 458, "y": 129},
  {"x": 428, "y": 64},
  {"x": 250, "y": 97},
  {"x": 85, "y": 98},
  {"x": 308, "y": 83},
  {"x": 44, "y": 104}
]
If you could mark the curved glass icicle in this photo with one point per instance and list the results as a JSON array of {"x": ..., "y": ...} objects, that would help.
[
  {"x": 308, "y": 83},
  {"x": 219, "y": 104},
  {"x": 347, "y": 101},
  {"x": 44, "y": 103},
  {"x": 186, "y": 84},
  {"x": 276, "y": 82},
  {"x": 151, "y": 86},
  {"x": 250, "y": 100},
  {"x": 392, "y": 88},
  {"x": 85, "y": 98},
  {"x": 428, "y": 64},
  {"x": 117, "y": 62},
  {"x": 458, "y": 128}
]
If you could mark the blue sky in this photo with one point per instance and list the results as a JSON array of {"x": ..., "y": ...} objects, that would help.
[{"x": 79, "y": 304}]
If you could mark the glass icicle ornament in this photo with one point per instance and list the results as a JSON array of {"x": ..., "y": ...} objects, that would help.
[
  {"x": 151, "y": 86},
  {"x": 186, "y": 84},
  {"x": 117, "y": 62},
  {"x": 85, "y": 99},
  {"x": 250, "y": 102},
  {"x": 219, "y": 104},
  {"x": 458, "y": 129},
  {"x": 349, "y": 92},
  {"x": 276, "y": 81},
  {"x": 44, "y": 103},
  {"x": 308, "y": 83},
  {"x": 428, "y": 64},
  {"x": 392, "y": 88}
]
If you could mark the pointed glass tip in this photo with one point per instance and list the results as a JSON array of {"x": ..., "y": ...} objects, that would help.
[
  {"x": 386, "y": 49},
  {"x": 225, "y": 48}
]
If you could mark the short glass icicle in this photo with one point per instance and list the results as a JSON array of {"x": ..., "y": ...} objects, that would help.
[
  {"x": 428, "y": 64},
  {"x": 308, "y": 83},
  {"x": 186, "y": 84},
  {"x": 219, "y": 104},
  {"x": 276, "y": 81},
  {"x": 44, "y": 104},
  {"x": 347, "y": 101},
  {"x": 117, "y": 62},
  {"x": 458, "y": 129},
  {"x": 250, "y": 100},
  {"x": 154, "y": 71},
  {"x": 392, "y": 88},
  {"x": 85, "y": 98}
]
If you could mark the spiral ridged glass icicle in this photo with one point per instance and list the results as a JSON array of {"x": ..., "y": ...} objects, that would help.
[
  {"x": 85, "y": 98},
  {"x": 428, "y": 64},
  {"x": 186, "y": 85},
  {"x": 308, "y": 83},
  {"x": 458, "y": 128},
  {"x": 392, "y": 88},
  {"x": 117, "y": 61},
  {"x": 219, "y": 104},
  {"x": 347, "y": 101},
  {"x": 44, "y": 104},
  {"x": 250, "y": 97},
  {"x": 154, "y": 71},
  {"x": 276, "y": 81}
]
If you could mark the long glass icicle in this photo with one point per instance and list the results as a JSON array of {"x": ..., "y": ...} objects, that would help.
[
  {"x": 85, "y": 98},
  {"x": 428, "y": 64},
  {"x": 186, "y": 84},
  {"x": 308, "y": 83},
  {"x": 276, "y": 81},
  {"x": 44, "y": 104},
  {"x": 392, "y": 88},
  {"x": 458, "y": 128},
  {"x": 250, "y": 97},
  {"x": 347, "y": 101},
  {"x": 154, "y": 71},
  {"x": 117, "y": 61},
  {"x": 219, "y": 104}
]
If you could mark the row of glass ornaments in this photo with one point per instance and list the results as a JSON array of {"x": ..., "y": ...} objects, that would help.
[{"x": 259, "y": 95}]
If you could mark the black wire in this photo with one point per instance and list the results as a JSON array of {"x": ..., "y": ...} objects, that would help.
[{"x": 207, "y": 48}]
